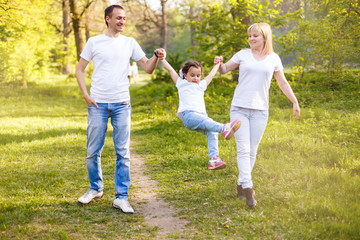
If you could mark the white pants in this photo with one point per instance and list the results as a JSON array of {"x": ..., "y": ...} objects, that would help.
[{"x": 248, "y": 137}]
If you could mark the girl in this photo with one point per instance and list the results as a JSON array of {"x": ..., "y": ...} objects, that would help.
[
  {"x": 250, "y": 103},
  {"x": 192, "y": 106}
]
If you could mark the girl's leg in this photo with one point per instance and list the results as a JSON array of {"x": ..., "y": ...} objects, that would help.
[
  {"x": 213, "y": 146},
  {"x": 200, "y": 122}
]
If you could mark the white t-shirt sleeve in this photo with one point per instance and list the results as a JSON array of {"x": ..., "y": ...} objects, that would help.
[
  {"x": 137, "y": 52},
  {"x": 237, "y": 57},
  {"x": 278, "y": 63},
  {"x": 203, "y": 84},
  {"x": 87, "y": 51}
]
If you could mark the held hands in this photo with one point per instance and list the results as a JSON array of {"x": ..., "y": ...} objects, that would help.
[
  {"x": 160, "y": 53},
  {"x": 218, "y": 60}
]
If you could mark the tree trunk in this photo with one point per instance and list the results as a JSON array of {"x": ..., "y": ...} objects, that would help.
[
  {"x": 66, "y": 69},
  {"x": 192, "y": 29},
  {"x": 76, "y": 21},
  {"x": 163, "y": 41}
]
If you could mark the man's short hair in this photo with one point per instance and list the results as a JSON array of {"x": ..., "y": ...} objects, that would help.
[{"x": 109, "y": 10}]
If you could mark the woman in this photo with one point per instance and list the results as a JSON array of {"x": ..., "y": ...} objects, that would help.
[{"x": 250, "y": 103}]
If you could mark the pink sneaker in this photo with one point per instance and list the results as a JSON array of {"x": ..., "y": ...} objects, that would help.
[
  {"x": 231, "y": 128},
  {"x": 215, "y": 163}
]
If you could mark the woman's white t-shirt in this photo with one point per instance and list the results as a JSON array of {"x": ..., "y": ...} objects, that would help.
[
  {"x": 111, "y": 58},
  {"x": 191, "y": 96},
  {"x": 255, "y": 77}
]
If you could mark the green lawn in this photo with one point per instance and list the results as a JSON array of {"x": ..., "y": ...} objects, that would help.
[{"x": 306, "y": 176}]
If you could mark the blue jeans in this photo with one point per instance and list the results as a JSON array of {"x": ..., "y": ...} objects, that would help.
[
  {"x": 202, "y": 123},
  {"x": 248, "y": 137},
  {"x": 120, "y": 114}
]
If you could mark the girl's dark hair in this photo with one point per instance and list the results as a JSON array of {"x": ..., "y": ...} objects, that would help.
[
  {"x": 190, "y": 64},
  {"x": 109, "y": 10}
]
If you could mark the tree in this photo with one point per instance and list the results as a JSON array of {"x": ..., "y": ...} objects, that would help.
[
  {"x": 327, "y": 37},
  {"x": 66, "y": 69},
  {"x": 222, "y": 29},
  {"x": 25, "y": 45},
  {"x": 77, "y": 14}
]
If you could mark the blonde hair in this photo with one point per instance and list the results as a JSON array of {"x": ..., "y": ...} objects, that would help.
[{"x": 265, "y": 30}]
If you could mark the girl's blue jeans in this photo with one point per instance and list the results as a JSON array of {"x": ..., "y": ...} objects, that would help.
[
  {"x": 120, "y": 115},
  {"x": 202, "y": 123}
]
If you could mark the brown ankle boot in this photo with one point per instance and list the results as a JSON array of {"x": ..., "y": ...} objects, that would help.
[
  {"x": 249, "y": 194},
  {"x": 240, "y": 193}
]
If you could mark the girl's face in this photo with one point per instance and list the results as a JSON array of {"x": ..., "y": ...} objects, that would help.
[
  {"x": 256, "y": 40},
  {"x": 193, "y": 75}
]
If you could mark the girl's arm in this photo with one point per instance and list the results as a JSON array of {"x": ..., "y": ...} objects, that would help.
[
  {"x": 211, "y": 75},
  {"x": 170, "y": 69},
  {"x": 217, "y": 62},
  {"x": 286, "y": 89}
]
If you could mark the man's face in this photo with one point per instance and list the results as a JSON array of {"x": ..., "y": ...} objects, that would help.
[{"x": 117, "y": 20}]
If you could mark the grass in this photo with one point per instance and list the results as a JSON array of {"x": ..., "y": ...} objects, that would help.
[{"x": 306, "y": 176}]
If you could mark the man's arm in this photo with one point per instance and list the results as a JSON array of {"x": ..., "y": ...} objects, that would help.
[
  {"x": 149, "y": 65},
  {"x": 79, "y": 73}
]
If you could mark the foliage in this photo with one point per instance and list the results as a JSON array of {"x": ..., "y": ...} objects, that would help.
[
  {"x": 327, "y": 37},
  {"x": 222, "y": 29},
  {"x": 25, "y": 46}
]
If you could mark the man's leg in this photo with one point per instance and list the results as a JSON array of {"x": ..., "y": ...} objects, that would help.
[
  {"x": 96, "y": 130},
  {"x": 121, "y": 121}
]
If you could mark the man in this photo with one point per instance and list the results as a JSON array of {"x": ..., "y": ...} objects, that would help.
[{"x": 109, "y": 98}]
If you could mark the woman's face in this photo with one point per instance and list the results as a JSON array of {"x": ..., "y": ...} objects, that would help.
[
  {"x": 256, "y": 40},
  {"x": 193, "y": 75}
]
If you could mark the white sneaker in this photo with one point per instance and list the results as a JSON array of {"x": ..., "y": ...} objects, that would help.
[
  {"x": 123, "y": 204},
  {"x": 90, "y": 195}
]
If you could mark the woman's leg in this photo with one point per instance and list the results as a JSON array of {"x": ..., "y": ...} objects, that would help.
[{"x": 242, "y": 139}]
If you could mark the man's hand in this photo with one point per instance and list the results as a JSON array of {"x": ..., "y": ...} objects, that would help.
[
  {"x": 90, "y": 101},
  {"x": 161, "y": 53}
]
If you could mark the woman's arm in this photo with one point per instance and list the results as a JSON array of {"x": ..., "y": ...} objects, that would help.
[
  {"x": 170, "y": 69},
  {"x": 286, "y": 89},
  {"x": 227, "y": 67}
]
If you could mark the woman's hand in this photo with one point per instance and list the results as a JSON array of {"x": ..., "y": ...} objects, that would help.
[
  {"x": 218, "y": 59},
  {"x": 296, "y": 110}
]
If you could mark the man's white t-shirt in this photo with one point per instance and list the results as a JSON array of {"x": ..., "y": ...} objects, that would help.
[
  {"x": 191, "y": 96},
  {"x": 111, "y": 58},
  {"x": 255, "y": 77}
]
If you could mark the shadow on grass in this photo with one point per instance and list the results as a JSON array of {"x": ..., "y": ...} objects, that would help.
[{"x": 11, "y": 138}]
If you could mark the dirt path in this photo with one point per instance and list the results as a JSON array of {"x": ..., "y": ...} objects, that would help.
[{"x": 156, "y": 211}]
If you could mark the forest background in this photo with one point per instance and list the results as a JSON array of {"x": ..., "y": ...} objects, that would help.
[
  {"x": 43, "y": 37},
  {"x": 307, "y": 172}
]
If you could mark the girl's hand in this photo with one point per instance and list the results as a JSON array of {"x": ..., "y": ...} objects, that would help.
[{"x": 218, "y": 59}]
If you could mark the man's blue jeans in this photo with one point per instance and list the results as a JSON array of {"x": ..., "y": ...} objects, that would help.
[
  {"x": 202, "y": 123},
  {"x": 120, "y": 114}
]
